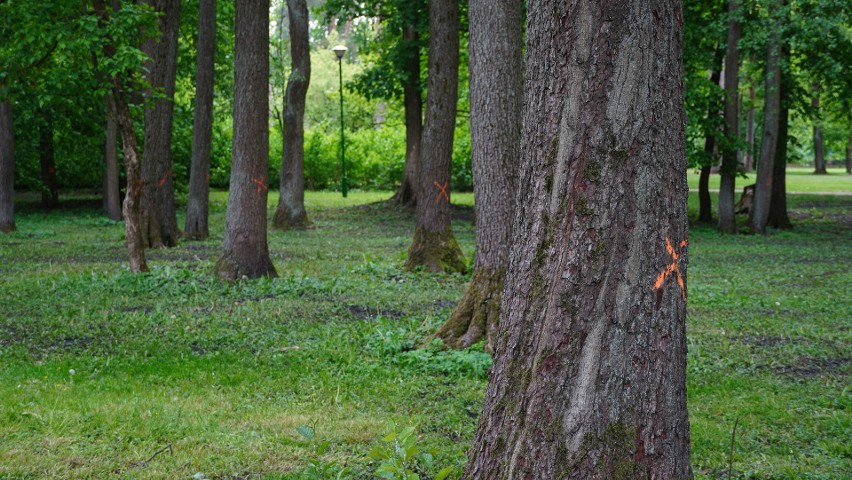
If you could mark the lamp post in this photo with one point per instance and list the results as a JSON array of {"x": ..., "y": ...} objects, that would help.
[{"x": 340, "y": 51}]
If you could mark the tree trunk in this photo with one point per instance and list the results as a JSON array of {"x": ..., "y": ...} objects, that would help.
[
  {"x": 245, "y": 252},
  {"x": 413, "y": 100},
  {"x": 589, "y": 375},
  {"x": 849, "y": 153},
  {"x": 749, "y": 157},
  {"x": 7, "y": 167},
  {"x": 197, "y": 207},
  {"x": 819, "y": 144},
  {"x": 705, "y": 207},
  {"x": 159, "y": 220},
  {"x": 778, "y": 217},
  {"x": 495, "y": 132},
  {"x": 758, "y": 215},
  {"x": 434, "y": 245},
  {"x": 728, "y": 171},
  {"x": 47, "y": 163},
  {"x": 111, "y": 191},
  {"x": 291, "y": 213}
]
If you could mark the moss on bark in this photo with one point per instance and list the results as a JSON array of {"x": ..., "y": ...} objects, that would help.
[
  {"x": 283, "y": 220},
  {"x": 477, "y": 313},
  {"x": 436, "y": 251},
  {"x": 230, "y": 270}
]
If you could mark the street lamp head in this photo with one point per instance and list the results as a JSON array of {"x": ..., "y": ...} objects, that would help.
[{"x": 340, "y": 51}]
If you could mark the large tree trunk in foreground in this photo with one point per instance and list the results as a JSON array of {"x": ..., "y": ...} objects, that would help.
[
  {"x": 495, "y": 133},
  {"x": 759, "y": 213},
  {"x": 728, "y": 171},
  {"x": 245, "y": 252},
  {"x": 7, "y": 167},
  {"x": 159, "y": 219},
  {"x": 413, "y": 99},
  {"x": 198, "y": 202},
  {"x": 291, "y": 213},
  {"x": 111, "y": 190},
  {"x": 705, "y": 207},
  {"x": 819, "y": 144},
  {"x": 47, "y": 163},
  {"x": 434, "y": 245},
  {"x": 589, "y": 375}
]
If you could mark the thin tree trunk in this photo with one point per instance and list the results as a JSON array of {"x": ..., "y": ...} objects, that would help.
[
  {"x": 47, "y": 163},
  {"x": 413, "y": 100},
  {"x": 434, "y": 245},
  {"x": 819, "y": 144},
  {"x": 495, "y": 132},
  {"x": 778, "y": 216},
  {"x": 245, "y": 252},
  {"x": 159, "y": 218},
  {"x": 849, "y": 153},
  {"x": 705, "y": 207},
  {"x": 758, "y": 215},
  {"x": 131, "y": 208},
  {"x": 749, "y": 157},
  {"x": 111, "y": 191},
  {"x": 197, "y": 207},
  {"x": 589, "y": 373},
  {"x": 728, "y": 171},
  {"x": 291, "y": 213},
  {"x": 7, "y": 167}
]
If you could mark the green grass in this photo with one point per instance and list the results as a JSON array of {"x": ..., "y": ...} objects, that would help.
[
  {"x": 225, "y": 375},
  {"x": 799, "y": 179}
]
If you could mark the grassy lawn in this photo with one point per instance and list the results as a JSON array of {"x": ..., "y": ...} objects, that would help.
[
  {"x": 104, "y": 374},
  {"x": 799, "y": 179}
]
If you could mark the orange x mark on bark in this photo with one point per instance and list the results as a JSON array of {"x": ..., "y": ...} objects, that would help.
[
  {"x": 260, "y": 185},
  {"x": 165, "y": 177},
  {"x": 672, "y": 268},
  {"x": 442, "y": 192},
  {"x": 137, "y": 187}
]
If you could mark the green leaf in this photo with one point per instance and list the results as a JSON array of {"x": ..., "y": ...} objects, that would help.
[
  {"x": 306, "y": 431},
  {"x": 444, "y": 473}
]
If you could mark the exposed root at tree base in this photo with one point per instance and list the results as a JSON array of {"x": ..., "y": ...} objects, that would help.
[
  {"x": 229, "y": 269},
  {"x": 477, "y": 314},
  {"x": 284, "y": 221},
  {"x": 7, "y": 227},
  {"x": 436, "y": 251}
]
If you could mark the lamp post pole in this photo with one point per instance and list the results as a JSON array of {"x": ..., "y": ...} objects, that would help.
[{"x": 340, "y": 50}]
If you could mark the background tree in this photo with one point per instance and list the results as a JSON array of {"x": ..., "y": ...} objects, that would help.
[
  {"x": 159, "y": 218},
  {"x": 434, "y": 245},
  {"x": 778, "y": 217},
  {"x": 7, "y": 166},
  {"x": 197, "y": 207},
  {"x": 111, "y": 190},
  {"x": 291, "y": 212},
  {"x": 245, "y": 252},
  {"x": 728, "y": 170},
  {"x": 495, "y": 118},
  {"x": 589, "y": 374}
]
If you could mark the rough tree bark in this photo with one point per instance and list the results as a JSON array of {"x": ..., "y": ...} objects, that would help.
[
  {"x": 291, "y": 213},
  {"x": 758, "y": 214},
  {"x": 245, "y": 252},
  {"x": 748, "y": 165},
  {"x": 111, "y": 190},
  {"x": 705, "y": 207},
  {"x": 7, "y": 167},
  {"x": 495, "y": 132},
  {"x": 197, "y": 208},
  {"x": 778, "y": 216},
  {"x": 434, "y": 245},
  {"x": 47, "y": 163},
  {"x": 819, "y": 144},
  {"x": 728, "y": 171},
  {"x": 413, "y": 101},
  {"x": 159, "y": 218},
  {"x": 849, "y": 153},
  {"x": 589, "y": 374}
]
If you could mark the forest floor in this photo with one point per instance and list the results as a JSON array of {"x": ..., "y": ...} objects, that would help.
[{"x": 172, "y": 374}]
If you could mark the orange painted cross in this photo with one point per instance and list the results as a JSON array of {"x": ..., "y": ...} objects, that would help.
[
  {"x": 137, "y": 190},
  {"x": 673, "y": 267},
  {"x": 442, "y": 192},
  {"x": 165, "y": 177},
  {"x": 260, "y": 185}
]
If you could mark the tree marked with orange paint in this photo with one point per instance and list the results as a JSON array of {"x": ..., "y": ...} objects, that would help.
[
  {"x": 672, "y": 267},
  {"x": 442, "y": 192}
]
